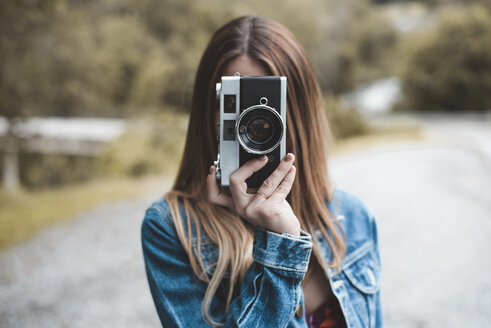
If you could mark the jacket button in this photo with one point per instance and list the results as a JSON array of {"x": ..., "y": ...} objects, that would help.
[{"x": 299, "y": 311}]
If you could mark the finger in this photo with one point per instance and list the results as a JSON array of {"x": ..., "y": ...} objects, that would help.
[
  {"x": 238, "y": 185},
  {"x": 258, "y": 200},
  {"x": 285, "y": 186},
  {"x": 273, "y": 181},
  {"x": 248, "y": 169},
  {"x": 215, "y": 196}
]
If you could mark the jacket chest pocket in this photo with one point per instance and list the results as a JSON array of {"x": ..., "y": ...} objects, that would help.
[{"x": 363, "y": 277}]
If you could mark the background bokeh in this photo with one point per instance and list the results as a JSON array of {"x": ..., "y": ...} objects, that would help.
[{"x": 94, "y": 102}]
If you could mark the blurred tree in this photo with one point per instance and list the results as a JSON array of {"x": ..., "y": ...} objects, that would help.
[
  {"x": 359, "y": 46},
  {"x": 447, "y": 69},
  {"x": 156, "y": 142},
  {"x": 439, "y": 3},
  {"x": 21, "y": 22},
  {"x": 185, "y": 27},
  {"x": 76, "y": 58},
  {"x": 344, "y": 121},
  {"x": 122, "y": 58},
  {"x": 114, "y": 58},
  {"x": 96, "y": 60}
]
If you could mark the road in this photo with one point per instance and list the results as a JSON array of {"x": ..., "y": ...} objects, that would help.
[
  {"x": 432, "y": 200},
  {"x": 86, "y": 272}
]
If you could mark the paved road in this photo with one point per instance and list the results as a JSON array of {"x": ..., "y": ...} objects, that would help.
[
  {"x": 432, "y": 201},
  {"x": 433, "y": 206}
]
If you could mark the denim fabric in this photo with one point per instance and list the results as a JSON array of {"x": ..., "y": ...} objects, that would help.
[{"x": 271, "y": 293}]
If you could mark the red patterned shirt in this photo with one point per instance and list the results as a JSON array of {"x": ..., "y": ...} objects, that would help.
[{"x": 328, "y": 315}]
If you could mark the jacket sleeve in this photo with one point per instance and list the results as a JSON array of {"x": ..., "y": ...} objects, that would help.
[{"x": 270, "y": 290}]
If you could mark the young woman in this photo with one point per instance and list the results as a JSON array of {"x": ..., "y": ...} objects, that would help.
[{"x": 298, "y": 253}]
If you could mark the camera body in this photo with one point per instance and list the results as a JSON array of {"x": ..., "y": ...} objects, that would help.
[{"x": 252, "y": 124}]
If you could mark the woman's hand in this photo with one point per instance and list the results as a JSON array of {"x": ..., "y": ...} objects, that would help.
[{"x": 268, "y": 207}]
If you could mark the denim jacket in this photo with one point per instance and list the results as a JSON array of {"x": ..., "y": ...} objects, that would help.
[{"x": 271, "y": 293}]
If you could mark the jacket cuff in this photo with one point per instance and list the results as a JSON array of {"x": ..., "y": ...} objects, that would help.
[{"x": 282, "y": 251}]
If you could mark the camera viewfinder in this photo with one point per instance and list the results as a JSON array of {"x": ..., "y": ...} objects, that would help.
[{"x": 229, "y": 103}]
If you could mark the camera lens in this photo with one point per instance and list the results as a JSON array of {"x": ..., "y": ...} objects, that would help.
[{"x": 260, "y": 130}]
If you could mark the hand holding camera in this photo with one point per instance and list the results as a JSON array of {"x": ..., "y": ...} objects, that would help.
[
  {"x": 251, "y": 153},
  {"x": 267, "y": 208}
]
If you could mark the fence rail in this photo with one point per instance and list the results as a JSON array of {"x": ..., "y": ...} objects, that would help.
[{"x": 53, "y": 135}]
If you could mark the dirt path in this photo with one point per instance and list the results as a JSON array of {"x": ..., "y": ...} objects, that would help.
[{"x": 85, "y": 272}]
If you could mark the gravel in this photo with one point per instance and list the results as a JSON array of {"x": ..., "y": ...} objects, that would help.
[{"x": 84, "y": 272}]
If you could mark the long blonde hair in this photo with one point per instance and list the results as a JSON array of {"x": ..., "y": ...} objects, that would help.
[{"x": 276, "y": 48}]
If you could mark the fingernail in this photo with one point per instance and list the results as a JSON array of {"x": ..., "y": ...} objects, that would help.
[
  {"x": 288, "y": 157},
  {"x": 263, "y": 158},
  {"x": 211, "y": 169}
]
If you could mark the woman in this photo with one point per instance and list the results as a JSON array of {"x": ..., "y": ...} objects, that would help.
[{"x": 296, "y": 254}]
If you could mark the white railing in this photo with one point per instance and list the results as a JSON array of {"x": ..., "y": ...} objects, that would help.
[{"x": 53, "y": 135}]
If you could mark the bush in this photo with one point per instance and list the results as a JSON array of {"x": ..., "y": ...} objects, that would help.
[
  {"x": 41, "y": 171},
  {"x": 150, "y": 145},
  {"x": 448, "y": 68},
  {"x": 344, "y": 121},
  {"x": 358, "y": 48}
]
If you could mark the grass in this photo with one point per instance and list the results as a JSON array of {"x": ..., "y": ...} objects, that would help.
[
  {"x": 25, "y": 213},
  {"x": 379, "y": 134}
]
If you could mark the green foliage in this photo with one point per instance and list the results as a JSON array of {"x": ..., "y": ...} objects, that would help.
[
  {"x": 22, "y": 22},
  {"x": 437, "y": 3},
  {"x": 150, "y": 145},
  {"x": 360, "y": 46},
  {"x": 41, "y": 171},
  {"x": 78, "y": 59},
  {"x": 124, "y": 58},
  {"x": 185, "y": 27},
  {"x": 447, "y": 69},
  {"x": 344, "y": 121},
  {"x": 117, "y": 58}
]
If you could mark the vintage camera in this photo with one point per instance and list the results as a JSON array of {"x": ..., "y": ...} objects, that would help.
[{"x": 252, "y": 124}]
